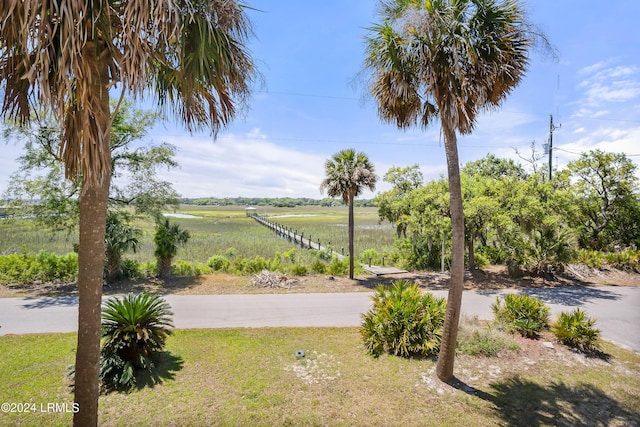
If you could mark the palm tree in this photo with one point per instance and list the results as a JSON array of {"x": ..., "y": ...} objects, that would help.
[
  {"x": 167, "y": 238},
  {"x": 449, "y": 59},
  {"x": 68, "y": 55},
  {"x": 348, "y": 173},
  {"x": 119, "y": 238}
]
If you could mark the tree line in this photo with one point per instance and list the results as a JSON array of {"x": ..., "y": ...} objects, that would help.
[
  {"x": 278, "y": 202},
  {"x": 516, "y": 217}
]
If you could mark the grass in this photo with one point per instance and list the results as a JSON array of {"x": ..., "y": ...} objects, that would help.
[
  {"x": 252, "y": 377},
  {"x": 219, "y": 229}
]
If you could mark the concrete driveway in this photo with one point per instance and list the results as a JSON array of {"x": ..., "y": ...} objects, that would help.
[{"x": 617, "y": 310}]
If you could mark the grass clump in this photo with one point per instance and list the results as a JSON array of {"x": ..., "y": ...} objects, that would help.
[
  {"x": 476, "y": 339},
  {"x": 521, "y": 313},
  {"x": 403, "y": 321},
  {"x": 576, "y": 329}
]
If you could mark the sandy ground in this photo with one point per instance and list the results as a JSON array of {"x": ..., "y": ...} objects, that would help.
[{"x": 492, "y": 277}]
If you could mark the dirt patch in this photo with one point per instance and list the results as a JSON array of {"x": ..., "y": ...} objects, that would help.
[{"x": 492, "y": 277}]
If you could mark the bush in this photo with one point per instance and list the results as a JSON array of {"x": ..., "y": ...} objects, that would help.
[
  {"x": 521, "y": 313},
  {"x": 338, "y": 268},
  {"x": 298, "y": 270},
  {"x": 403, "y": 321},
  {"x": 576, "y": 330},
  {"x": 218, "y": 263},
  {"x": 593, "y": 259},
  {"x": 134, "y": 332},
  {"x": 131, "y": 269},
  {"x": 624, "y": 260},
  {"x": 370, "y": 254},
  {"x": 318, "y": 267},
  {"x": 493, "y": 255},
  {"x": 43, "y": 266}
]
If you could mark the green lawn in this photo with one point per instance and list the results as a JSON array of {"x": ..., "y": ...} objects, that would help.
[{"x": 251, "y": 377}]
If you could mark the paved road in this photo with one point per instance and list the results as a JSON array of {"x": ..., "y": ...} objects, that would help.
[{"x": 617, "y": 310}]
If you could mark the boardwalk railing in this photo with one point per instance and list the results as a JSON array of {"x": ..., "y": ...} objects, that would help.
[
  {"x": 299, "y": 239},
  {"x": 293, "y": 237}
]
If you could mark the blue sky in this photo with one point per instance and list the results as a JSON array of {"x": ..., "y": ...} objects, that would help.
[{"x": 306, "y": 106}]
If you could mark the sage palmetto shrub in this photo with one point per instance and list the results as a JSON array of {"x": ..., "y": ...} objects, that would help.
[
  {"x": 134, "y": 332},
  {"x": 577, "y": 330},
  {"x": 521, "y": 313},
  {"x": 403, "y": 321}
]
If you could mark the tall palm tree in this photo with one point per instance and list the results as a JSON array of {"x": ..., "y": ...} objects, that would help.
[
  {"x": 348, "y": 173},
  {"x": 448, "y": 59},
  {"x": 68, "y": 55}
]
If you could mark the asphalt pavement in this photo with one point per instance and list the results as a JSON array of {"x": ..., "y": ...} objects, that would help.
[{"x": 616, "y": 310}]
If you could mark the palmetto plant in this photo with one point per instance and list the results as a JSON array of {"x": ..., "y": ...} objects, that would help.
[
  {"x": 577, "y": 330},
  {"x": 521, "y": 313},
  {"x": 134, "y": 331},
  {"x": 403, "y": 321}
]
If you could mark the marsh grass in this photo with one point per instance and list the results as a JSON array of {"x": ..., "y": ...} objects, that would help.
[
  {"x": 252, "y": 377},
  {"x": 223, "y": 230}
]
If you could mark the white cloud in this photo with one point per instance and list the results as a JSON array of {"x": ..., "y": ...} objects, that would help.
[
  {"x": 244, "y": 165},
  {"x": 616, "y": 84}
]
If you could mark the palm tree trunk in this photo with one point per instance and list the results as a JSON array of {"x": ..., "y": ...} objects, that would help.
[
  {"x": 93, "y": 214},
  {"x": 446, "y": 357},
  {"x": 351, "y": 226}
]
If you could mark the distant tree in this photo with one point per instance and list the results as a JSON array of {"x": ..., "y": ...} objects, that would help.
[
  {"x": 447, "y": 59},
  {"x": 347, "y": 174},
  {"x": 391, "y": 204},
  {"x": 39, "y": 187},
  {"x": 168, "y": 238},
  {"x": 608, "y": 200},
  {"x": 494, "y": 167}
]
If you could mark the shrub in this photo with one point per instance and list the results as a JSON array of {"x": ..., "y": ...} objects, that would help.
[
  {"x": 624, "y": 260},
  {"x": 576, "y": 330},
  {"x": 134, "y": 332},
  {"x": 43, "y": 266},
  {"x": 298, "y": 270},
  {"x": 521, "y": 313},
  {"x": 370, "y": 254},
  {"x": 339, "y": 268},
  {"x": 183, "y": 268},
  {"x": 256, "y": 265},
  {"x": 218, "y": 263},
  {"x": 493, "y": 255},
  {"x": 318, "y": 267},
  {"x": 131, "y": 269},
  {"x": 403, "y": 321},
  {"x": 594, "y": 259}
]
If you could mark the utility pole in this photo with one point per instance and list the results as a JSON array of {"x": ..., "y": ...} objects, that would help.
[{"x": 550, "y": 148}]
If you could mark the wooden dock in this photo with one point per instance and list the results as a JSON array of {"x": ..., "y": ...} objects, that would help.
[{"x": 300, "y": 240}]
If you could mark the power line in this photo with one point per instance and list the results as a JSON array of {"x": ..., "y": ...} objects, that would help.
[{"x": 311, "y": 95}]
